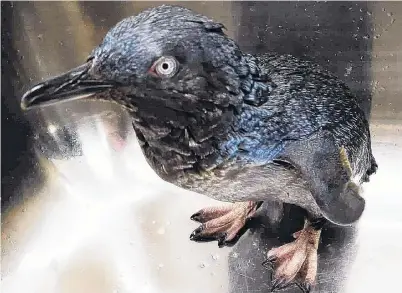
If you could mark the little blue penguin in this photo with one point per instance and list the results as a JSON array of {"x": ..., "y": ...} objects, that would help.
[{"x": 232, "y": 126}]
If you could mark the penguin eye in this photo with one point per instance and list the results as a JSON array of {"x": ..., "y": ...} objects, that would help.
[{"x": 165, "y": 67}]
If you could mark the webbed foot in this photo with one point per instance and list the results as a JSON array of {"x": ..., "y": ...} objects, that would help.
[
  {"x": 295, "y": 262},
  {"x": 225, "y": 224}
]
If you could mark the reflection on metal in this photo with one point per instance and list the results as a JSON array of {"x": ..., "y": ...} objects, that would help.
[{"x": 104, "y": 222}]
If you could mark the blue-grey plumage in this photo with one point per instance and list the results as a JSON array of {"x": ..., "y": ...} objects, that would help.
[
  {"x": 232, "y": 126},
  {"x": 221, "y": 109}
]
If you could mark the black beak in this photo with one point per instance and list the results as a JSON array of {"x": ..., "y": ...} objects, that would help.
[{"x": 75, "y": 84}]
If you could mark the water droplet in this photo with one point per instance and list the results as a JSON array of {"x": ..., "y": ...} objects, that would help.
[
  {"x": 348, "y": 69},
  {"x": 203, "y": 265},
  {"x": 235, "y": 255},
  {"x": 389, "y": 14},
  {"x": 215, "y": 256},
  {"x": 161, "y": 265}
]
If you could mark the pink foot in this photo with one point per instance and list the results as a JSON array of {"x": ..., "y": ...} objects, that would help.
[
  {"x": 296, "y": 262},
  {"x": 224, "y": 224}
]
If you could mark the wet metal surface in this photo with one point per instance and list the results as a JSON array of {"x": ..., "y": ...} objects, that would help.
[{"x": 97, "y": 218}]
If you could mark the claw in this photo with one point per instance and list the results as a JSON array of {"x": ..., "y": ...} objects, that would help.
[
  {"x": 202, "y": 238},
  {"x": 259, "y": 204},
  {"x": 225, "y": 224},
  {"x": 278, "y": 284},
  {"x": 195, "y": 235},
  {"x": 305, "y": 287},
  {"x": 196, "y": 217},
  {"x": 222, "y": 241},
  {"x": 208, "y": 214},
  {"x": 198, "y": 230}
]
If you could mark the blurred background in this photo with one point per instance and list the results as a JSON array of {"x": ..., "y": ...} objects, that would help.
[{"x": 83, "y": 212}]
